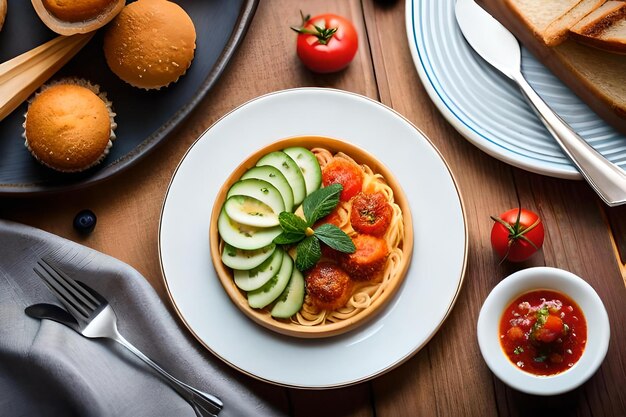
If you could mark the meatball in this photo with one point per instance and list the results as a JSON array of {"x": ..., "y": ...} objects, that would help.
[
  {"x": 328, "y": 286},
  {"x": 368, "y": 259},
  {"x": 371, "y": 213}
]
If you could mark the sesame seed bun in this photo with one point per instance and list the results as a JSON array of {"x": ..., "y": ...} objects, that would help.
[
  {"x": 69, "y": 126},
  {"x": 150, "y": 44}
]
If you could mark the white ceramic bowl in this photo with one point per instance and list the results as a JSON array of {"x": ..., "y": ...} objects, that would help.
[{"x": 598, "y": 330}]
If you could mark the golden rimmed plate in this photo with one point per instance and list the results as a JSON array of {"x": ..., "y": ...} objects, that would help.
[
  {"x": 286, "y": 327},
  {"x": 413, "y": 314}
]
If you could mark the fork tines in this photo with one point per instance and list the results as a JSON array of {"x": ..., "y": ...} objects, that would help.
[{"x": 78, "y": 301}]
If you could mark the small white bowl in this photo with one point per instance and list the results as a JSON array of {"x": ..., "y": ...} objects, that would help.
[{"x": 598, "y": 330}]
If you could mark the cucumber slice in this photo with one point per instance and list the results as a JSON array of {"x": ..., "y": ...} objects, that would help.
[
  {"x": 291, "y": 171},
  {"x": 274, "y": 287},
  {"x": 245, "y": 237},
  {"x": 250, "y": 211},
  {"x": 309, "y": 166},
  {"x": 239, "y": 259},
  {"x": 260, "y": 190},
  {"x": 291, "y": 300},
  {"x": 255, "y": 278},
  {"x": 276, "y": 178}
]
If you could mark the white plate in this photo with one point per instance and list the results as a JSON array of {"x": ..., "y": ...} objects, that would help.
[
  {"x": 410, "y": 319},
  {"x": 489, "y": 110}
]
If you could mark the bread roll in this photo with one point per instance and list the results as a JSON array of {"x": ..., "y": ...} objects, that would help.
[{"x": 150, "y": 44}]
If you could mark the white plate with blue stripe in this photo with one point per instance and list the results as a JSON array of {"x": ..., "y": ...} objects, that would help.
[{"x": 488, "y": 109}]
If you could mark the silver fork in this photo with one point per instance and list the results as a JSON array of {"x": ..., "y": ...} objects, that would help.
[{"x": 96, "y": 319}]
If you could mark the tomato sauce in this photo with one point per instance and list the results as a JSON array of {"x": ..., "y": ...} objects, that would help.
[{"x": 543, "y": 332}]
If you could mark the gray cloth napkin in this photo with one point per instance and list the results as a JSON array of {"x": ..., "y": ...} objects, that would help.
[{"x": 46, "y": 369}]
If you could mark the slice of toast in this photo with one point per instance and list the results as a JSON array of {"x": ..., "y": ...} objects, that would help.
[
  {"x": 551, "y": 20},
  {"x": 537, "y": 15},
  {"x": 604, "y": 28},
  {"x": 597, "y": 77},
  {"x": 600, "y": 73},
  {"x": 557, "y": 31}
]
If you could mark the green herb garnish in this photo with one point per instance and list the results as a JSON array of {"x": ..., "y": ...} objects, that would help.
[
  {"x": 518, "y": 350},
  {"x": 321, "y": 203},
  {"x": 316, "y": 205},
  {"x": 542, "y": 317},
  {"x": 308, "y": 252},
  {"x": 335, "y": 238},
  {"x": 292, "y": 224}
]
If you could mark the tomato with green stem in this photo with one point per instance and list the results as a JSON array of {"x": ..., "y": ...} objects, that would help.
[
  {"x": 326, "y": 43},
  {"x": 517, "y": 234}
]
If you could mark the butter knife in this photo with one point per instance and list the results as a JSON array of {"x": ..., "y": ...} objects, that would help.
[{"x": 496, "y": 45}]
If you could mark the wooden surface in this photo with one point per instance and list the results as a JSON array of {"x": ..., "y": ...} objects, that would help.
[{"x": 448, "y": 377}]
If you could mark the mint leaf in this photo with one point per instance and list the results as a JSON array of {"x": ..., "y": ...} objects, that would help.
[
  {"x": 308, "y": 253},
  {"x": 291, "y": 223},
  {"x": 321, "y": 202},
  {"x": 287, "y": 238},
  {"x": 294, "y": 229},
  {"x": 335, "y": 238}
]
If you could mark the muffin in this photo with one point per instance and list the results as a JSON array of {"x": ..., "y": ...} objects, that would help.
[
  {"x": 69, "y": 125},
  {"x": 77, "y": 16},
  {"x": 150, "y": 44}
]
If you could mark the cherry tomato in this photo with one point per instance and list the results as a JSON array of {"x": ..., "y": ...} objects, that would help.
[
  {"x": 515, "y": 333},
  {"x": 371, "y": 213},
  {"x": 517, "y": 234},
  {"x": 349, "y": 175},
  {"x": 326, "y": 43},
  {"x": 551, "y": 330}
]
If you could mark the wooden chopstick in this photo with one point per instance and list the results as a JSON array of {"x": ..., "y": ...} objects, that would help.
[{"x": 22, "y": 75}]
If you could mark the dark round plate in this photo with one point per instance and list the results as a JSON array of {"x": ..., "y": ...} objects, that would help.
[{"x": 144, "y": 118}]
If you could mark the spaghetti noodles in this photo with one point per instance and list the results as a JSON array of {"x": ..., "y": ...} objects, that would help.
[{"x": 364, "y": 293}]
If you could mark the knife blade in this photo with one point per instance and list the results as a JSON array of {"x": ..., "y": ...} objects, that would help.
[
  {"x": 481, "y": 30},
  {"x": 496, "y": 45}
]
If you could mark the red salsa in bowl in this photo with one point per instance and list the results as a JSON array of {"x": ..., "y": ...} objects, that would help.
[{"x": 543, "y": 332}]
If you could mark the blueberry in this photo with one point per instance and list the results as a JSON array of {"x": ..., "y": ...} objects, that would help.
[{"x": 85, "y": 221}]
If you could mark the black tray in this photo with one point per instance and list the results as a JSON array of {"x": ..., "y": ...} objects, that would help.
[{"x": 144, "y": 118}]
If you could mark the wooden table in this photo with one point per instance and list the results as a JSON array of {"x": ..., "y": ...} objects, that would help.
[{"x": 448, "y": 377}]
